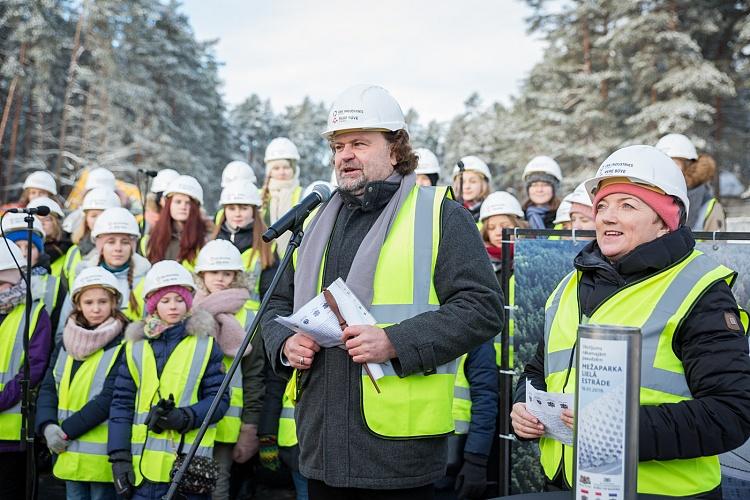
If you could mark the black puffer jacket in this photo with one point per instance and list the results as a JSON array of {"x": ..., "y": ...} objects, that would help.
[{"x": 714, "y": 356}]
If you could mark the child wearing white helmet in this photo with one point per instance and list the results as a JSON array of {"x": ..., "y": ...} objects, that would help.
[
  {"x": 475, "y": 187},
  {"x": 12, "y": 312},
  {"x": 428, "y": 167},
  {"x": 172, "y": 371},
  {"x": 542, "y": 176},
  {"x": 224, "y": 291},
  {"x": 581, "y": 209},
  {"x": 155, "y": 197},
  {"x": 115, "y": 236},
  {"x": 36, "y": 185},
  {"x": 56, "y": 241},
  {"x": 500, "y": 210},
  {"x": 76, "y": 394},
  {"x": 181, "y": 230},
  {"x": 281, "y": 189},
  {"x": 44, "y": 285}
]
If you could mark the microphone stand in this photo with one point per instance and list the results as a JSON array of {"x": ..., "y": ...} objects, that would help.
[
  {"x": 460, "y": 195},
  {"x": 294, "y": 242},
  {"x": 27, "y": 410},
  {"x": 144, "y": 185}
]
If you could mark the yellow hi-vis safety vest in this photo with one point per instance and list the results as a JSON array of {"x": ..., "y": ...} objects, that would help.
[
  {"x": 703, "y": 214},
  {"x": 657, "y": 305},
  {"x": 72, "y": 259},
  {"x": 11, "y": 360},
  {"x": 417, "y": 405},
  {"x": 509, "y": 315},
  {"x": 51, "y": 289},
  {"x": 254, "y": 267},
  {"x": 57, "y": 266},
  {"x": 154, "y": 454},
  {"x": 287, "y": 434},
  {"x": 228, "y": 428},
  {"x": 85, "y": 458},
  {"x": 140, "y": 300},
  {"x": 462, "y": 399}
]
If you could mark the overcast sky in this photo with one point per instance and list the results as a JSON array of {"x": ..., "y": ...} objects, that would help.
[{"x": 431, "y": 55}]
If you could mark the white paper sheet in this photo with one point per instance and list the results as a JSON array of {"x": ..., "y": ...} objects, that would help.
[
  {"x": 547, "y": 407},
  {"x": 318, "y": 321}
]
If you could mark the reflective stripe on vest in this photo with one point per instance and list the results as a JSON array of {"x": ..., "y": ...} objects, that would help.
[
  {"x": 704, "y": 214},
  {"x": 287, "y": 435},
  {"x": 462, "y": 399},
  {"x": 51, "y": 287},
  {"x": 228, "y": 428},
  {"x": 656, "y": 305},
  {"x": 253, "y": 265},
  {"x": 72, "y": 259},
  {"x": 11, "y": 361},
  {"x": 154, "y": 454},
  {"x": 417, "y": 405},
  {"x": 57, "y": 266},
  {"x": 85, "y": 458}
]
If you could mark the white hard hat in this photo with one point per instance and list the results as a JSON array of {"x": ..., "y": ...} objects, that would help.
[
  {"x": 642, "y": 165},
  {"x": 281, "y": 148},
  {"x": 677, "y": 146},
  {"x": 100, "y": 199},
  {"x": 6, "y": 256},
  {"x": 166, "y": 273},
  {"x": 219, "y": 255},
  {"x": 563, "y": 212},
  {"x": 500, "y": 203},
  {"x": 187, "y": 185},
  {"x": 236, "y": 170},
  {"x": 100, "y": 178},
  {"x": 163, "y": 179},
  {"x": 579, "y": 195},
  {"x": 242, "y": 192},
  {"x": 95, "y": 276},
  {"x": 474, "y": 164},
  {"x": 543, "y": 165},
  {"x": 115, "y": 220},
  {"x": 428, "y": 162},
  {"x": 364, "y": 107},
  {"x": 41, "y": 180},
  {"x": 16, "y": 222},
  {"x": 43, "y": 201},
  {"x": 309, "y": 189}
]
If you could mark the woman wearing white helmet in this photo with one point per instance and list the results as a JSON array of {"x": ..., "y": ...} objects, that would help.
[
  {"x": 76, "y": 394},
  {"x": 699, "y": 170},
  {"x": 181, "y": 230},
  {"x": 36, "y": 185},
  {"x": 94, "y": 203},
  {"x": 115, "y": 236},
  {"x": 581, "y": 209},
  {"x": 501, "y": 210},
  {"x": 224, "y": 291},
  {"x": 428, "y": 167},
  {"x": 475, "y": 186},
  {"x": 542, "y": 177},
  {"x": 56, "y": 241},
  {"x": 155, "y": 197},
  {"x": 281, "y": 189},
  {"x": 12, "y": 312},
  {"x": 643, "y": 271},
  {"x": 44, "y": 286},
  {"x": 171, "y": 374}
]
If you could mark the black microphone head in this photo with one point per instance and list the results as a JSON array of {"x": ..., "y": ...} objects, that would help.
[
  {"x": 42, "y": 210},
  {"x": 460, "y": 165},
  {"x": 323, "y": 191}
]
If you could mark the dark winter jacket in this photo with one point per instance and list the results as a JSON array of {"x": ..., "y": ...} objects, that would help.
[
  {"x": 57, "y": 249},
  {"x": 39, "y": 349},
  {"x": 92, "y": 414},
  {"x": 481, "y": 372},
  {"x": 123, "y": 401},
  {"x": 242, "y": 238},
  {"x": 715, "y": 357},
  {"x": 335, "y": 445}
]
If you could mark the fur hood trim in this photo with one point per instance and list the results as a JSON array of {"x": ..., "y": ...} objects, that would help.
[
  {"x": 700, "y": 171},
  {"x": 200, "y": 323},
  {"x": 242, "y": 279}
]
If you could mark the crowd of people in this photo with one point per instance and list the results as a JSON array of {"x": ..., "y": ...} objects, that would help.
[{"x": 139, "y": 309}]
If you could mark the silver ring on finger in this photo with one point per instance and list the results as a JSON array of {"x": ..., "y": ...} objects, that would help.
[{"x": 302, "y": 360}]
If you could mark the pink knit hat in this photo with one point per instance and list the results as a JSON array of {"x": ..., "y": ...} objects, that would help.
[
  {"x": 154, "y": 298},
  {"x": 662, "y": 204}
]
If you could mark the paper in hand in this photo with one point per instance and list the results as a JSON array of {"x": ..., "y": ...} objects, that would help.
[
  {"x": 317, "y": 320},
  {"x": 547, "y": 407}
]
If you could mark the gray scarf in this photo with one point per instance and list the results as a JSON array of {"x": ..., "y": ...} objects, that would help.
[{"x": 362, "y": 272}]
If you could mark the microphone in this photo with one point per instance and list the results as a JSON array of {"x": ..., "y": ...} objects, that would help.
[
  {"x": 298, "y": 213},
  {"x": 40, "y": 210},
  {"x": 150, "y": 173}
]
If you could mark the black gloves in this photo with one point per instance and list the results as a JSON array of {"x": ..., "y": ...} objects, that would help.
[
  {"x": 122, "y": 473},
  {"x": 472, "y": 478},
  {"x": 164, "y": 416}
]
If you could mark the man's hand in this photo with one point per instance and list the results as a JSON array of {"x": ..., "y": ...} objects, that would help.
[
  {"x": 568, "y": 418},
  {"x": 525, "y": 424},
  {"x": 300, "y": 350},
  {"x": 368, "y": 344}
]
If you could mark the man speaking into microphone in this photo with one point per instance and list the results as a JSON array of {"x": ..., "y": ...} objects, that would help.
[{"x": 415, "y": 259}]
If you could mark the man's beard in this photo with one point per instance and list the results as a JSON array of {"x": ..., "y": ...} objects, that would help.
[{"x": 353, "y": 187}]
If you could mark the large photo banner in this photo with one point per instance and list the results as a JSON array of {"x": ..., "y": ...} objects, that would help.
[{"x": 538, "y": 266}]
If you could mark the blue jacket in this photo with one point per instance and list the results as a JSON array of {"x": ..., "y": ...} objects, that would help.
[
  {"x": 123, "y": 402},
  {"x": 481, "y": 373},
  {"x": 92, "y": 414}
]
